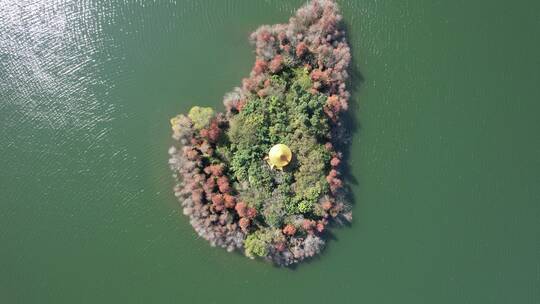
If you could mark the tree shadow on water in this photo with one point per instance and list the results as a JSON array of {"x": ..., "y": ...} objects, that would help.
[{"x": 351, "y": 127}]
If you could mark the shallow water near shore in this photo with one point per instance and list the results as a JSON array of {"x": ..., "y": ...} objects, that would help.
[{"x": 444, "y": 163}]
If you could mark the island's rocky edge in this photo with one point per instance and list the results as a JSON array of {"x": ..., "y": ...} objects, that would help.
[{"x": 295, "y": 95}]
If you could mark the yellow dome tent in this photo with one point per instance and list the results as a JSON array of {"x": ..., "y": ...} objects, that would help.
[{"x": 279, "y": 156}]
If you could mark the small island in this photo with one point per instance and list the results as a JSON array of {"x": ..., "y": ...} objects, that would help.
[{"x": 264, "y": 176}]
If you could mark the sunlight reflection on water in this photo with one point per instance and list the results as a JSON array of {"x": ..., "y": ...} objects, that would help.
[
  {"x": 59, "y": 65},
  {"x": 51, "y": 62}
]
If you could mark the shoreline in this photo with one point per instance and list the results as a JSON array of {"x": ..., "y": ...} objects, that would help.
[{"x": 294, "y": 95}]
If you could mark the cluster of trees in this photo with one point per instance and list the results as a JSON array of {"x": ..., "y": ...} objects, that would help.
[
  {"x": 294, "y": 95},
  {"x": 204, "y": 188}
]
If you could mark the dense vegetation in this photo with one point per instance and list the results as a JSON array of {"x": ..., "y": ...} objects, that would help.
[{"x": 294, "y": 96}]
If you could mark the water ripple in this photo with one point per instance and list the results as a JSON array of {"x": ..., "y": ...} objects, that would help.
[{"x": 49, "y": 53}]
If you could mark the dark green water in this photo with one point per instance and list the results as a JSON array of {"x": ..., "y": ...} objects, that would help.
[{"x": 446, "y": 160}]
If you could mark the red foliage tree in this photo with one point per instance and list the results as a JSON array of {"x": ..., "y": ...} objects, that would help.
[
  {"x": 218, "y": 202},
  {"x": 328, "y": 146},
  {"x": 281, "y": 246},
  {"x": 230, "y": 201},
  {"x": 289, "y": 230},
  {"x": 191, "y": 154},
  {"x": 241, "y": 104},
  {"x": 326, "y": 205},
  {"x": 276, "y": 64},
  {"x": 194, "y": 141},
  {"x": 249, "y": 84},
  {"x": 212, "y": 132},
  {"x": 301, "y": 49},
  {"x": 334, "y": 105},
  {"x": 308, "y": 224},
  {"x": 333, "y": 180},
  {"x": 210, "y": 184},
  {"x": 217, "y": 199},
  {"x": 264, "y": 36},
  {"x": 335, "y": 183},
  {"x": 223, "y": 184},
  {"x": 216, "y": 170},
  {"x": 241, "y": 209},
  {"x": 319, "y": 75},
  {"x": 259, "y": 67},
  {"x": 320, "y": 226},
  {"x": 244, "y": 223},
  {"x": 262, "y": 93},
  {"x": 335, "y": 162},
  {"x": 251, "y": 213}
]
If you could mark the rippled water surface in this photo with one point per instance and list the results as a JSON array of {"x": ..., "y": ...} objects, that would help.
[{"x": 445, "y": 161}]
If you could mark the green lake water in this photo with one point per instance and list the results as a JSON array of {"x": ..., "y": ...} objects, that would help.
[{"x": 445, "y": 158}]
